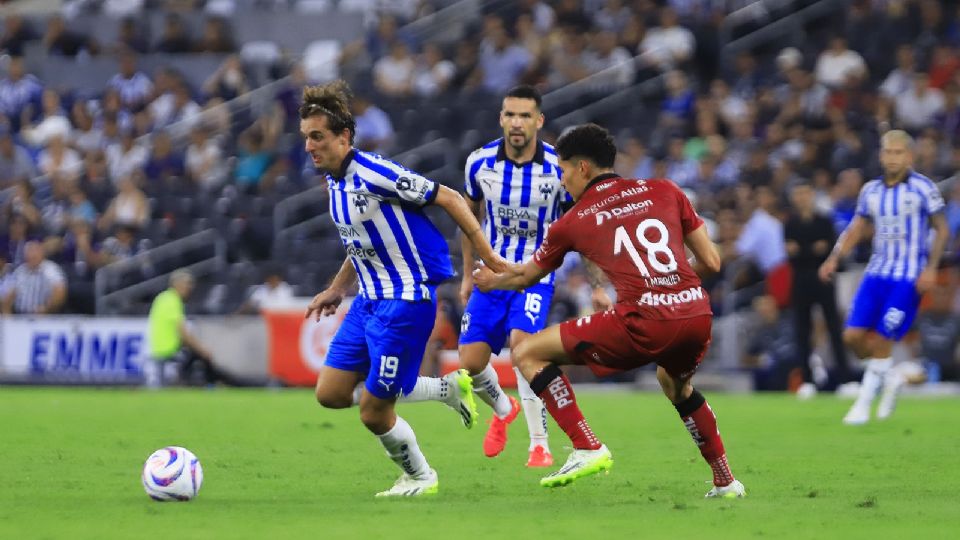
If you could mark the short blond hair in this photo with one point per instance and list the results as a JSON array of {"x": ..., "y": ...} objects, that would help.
[{"x": 895, "y": 136}]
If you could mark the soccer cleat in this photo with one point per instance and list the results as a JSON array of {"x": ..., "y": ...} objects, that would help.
[
  {"x": 733, "y": 490},
  {"x": 540, "y": 457},
  {"x": 857, "y": 415},
  {"x": 806, "y": 391},
  {"x": 580, "y": 463},
  {"x": 461, "y": 397},
  {"x": 892, "y": 383},
  {"x": 408, "y": 486},
  {"x": 496, "y": 438}
]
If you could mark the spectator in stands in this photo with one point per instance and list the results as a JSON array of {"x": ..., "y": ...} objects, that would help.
[
  {"x": 174, "y": 37},
  {"x": 133, "y": 86},
  {"x": 130, "y": 36},
  {"x": 669, "y": 45},
  {"x": 374, "y": 129},
  {"x": 746, "y": 78},
  {"x": 55, "y": 214},
  {"x": 610, "y": 65},
  {"x": 58, "y": 40},
  {"x": 60, "y": 162},
  {"x": 947, "y": 122},
  {"x": 393, "y": 74},
  {"x": 18, "y": 232},
  {"x": 530, "y": 38},
  {"x": 164, "y": 160},
  {"x": 15, "y": 162},
  {"x": 939, "y": 335},
  {"x": 466, "y": 59},
  {"x": 633, "y": 159},
  {"x": 229, "y": 80},
  {"x": 215, "y": 37},
  {"x": 771, "y": 347},
  {"x": 127, "y": 156},
  {"x": 836, "y": 63},
  {"x": 95, "y": 180},
  {"x": 128, "y": 209},
  {"x": 111, "y": 116},
  {"x": 761, "y": 240},
  {"x": 253, "y": 159},
  {"x": 38, "y": 286},
  {"x": 900, "y": 80},
  {"x": 681, "y": 169},
  {"x": 434, "y": 73},
  {"x": 679, "y": 104},
  {"x": 16, "y": 32},
  {"x": 86, "y": 137},
  {"x": 568, "y": 60},
  {"x": 53, "y": 122},
  {"x": 918, "y": 107},
  {"x": 272, "y": 292},
  {"x": 81, "y": 209},
  {"x": 809, "y": 237},
  {"x": 204, "y": 160},
  {"x": 502, "y": 63},
  {"x": 19, "y": 92}
]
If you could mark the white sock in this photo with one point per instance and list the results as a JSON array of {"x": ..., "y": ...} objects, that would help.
[
  {"x": 401, "y": 446},
  {"x": 873, "y": 375},
  {"x": 534, "y": 412},
  {"x": 357, "y": 392},
  {"x": 486, "y": 384},
  {"x": 429, "y": 389}
]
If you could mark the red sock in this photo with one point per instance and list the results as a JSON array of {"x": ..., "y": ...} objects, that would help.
[
  {"x": 699, "y": 420},
  {"x": 554, "y": 389}
]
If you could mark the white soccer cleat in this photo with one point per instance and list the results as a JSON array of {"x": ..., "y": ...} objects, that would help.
[
  {"x": 857, "y": 415},
  {"x": 806, "y": 391},
  {"x": 733, "y": 490},
  {"x": 408, "y": 486},
  {"x": 892, "y": 383},
  {"x": 460, "y": 397},
  {"x": 580, "y": 463}
]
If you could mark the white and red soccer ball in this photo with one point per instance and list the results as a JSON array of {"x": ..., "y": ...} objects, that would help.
[{"x": 172, "y": 474}]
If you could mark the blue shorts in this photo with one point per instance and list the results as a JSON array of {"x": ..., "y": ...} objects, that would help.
[
  {"x": 490, "y": 316},
  {"x": 885, "y": 306},
  {"x": 384, "y": 339}
]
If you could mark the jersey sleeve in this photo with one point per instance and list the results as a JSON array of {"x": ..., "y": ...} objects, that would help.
[
  {"x": 689, "y": 219},
  {"x": 933, "y": 200},
  {"x": 471, "y": 187},
  {"x": 556, "y": 244},
  {"x": 390, "y": 180},
  {"x": 862, "y": 209}
]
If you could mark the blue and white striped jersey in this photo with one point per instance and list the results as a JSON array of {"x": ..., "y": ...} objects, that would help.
[
  {"x": 522, "y": 200},
  {"x": 901, "y": 218},
  {"x": 377, "y": 206}
]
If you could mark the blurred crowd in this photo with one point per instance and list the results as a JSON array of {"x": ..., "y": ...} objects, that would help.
[{"x": 91, "y": 179}]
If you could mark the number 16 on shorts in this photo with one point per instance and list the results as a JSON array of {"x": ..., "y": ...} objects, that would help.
[{"x": 531, "y": 307}]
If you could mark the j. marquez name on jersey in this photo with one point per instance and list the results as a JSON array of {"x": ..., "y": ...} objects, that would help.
[{"x": 669, "y": 299}]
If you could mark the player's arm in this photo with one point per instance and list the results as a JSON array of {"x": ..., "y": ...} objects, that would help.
[
  {"x": 456, "y": 206},
  {"x": 599, "y": 297},
  {"x": 703, "y": 248},
  {"x": 466, "y": 248},
  {"x": 848, "y": 240},
  {"x": 514, "y": 277},
  {"x": 327, "y": 301},
  {"x": 928, "y": 278}
]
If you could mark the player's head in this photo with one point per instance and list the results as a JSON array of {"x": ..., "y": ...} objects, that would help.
[
  {"x": 585, "y": 152},
  {"x": 520, "y": 117},
  {"x": 182, "y": 281},
  {"x": 896, "y": 152},
  {"x": 327, "y": 124}
]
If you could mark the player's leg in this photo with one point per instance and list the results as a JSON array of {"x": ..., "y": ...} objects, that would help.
[
  {"x": 901, "y": 310},
  {"x": 348, "y": 360},
  {"x": 396, "y": 338},
  {"x": 803, "y": 330},
  {"x": 866, "y": 312},
  {"x": 701, "y": 423},
  {"x": 538, "y": 358},
  {"x": 482, "y": 332},
  {"x": 828, "y": 303},
  {"x": 528, "y": 315}
]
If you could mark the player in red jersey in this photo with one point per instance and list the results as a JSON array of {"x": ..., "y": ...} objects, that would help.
[{"x": 635, "y": 231}]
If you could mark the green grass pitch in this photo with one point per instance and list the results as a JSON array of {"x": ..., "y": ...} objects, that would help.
[{"x": 278, "y": 466}]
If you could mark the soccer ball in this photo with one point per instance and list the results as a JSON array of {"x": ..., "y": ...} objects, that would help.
[{"x": 172, "y": 474}]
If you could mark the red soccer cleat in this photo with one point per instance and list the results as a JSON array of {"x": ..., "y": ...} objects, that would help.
[
  {"x": 496, "y": 438},
  {"x": 540, "y": 457}
]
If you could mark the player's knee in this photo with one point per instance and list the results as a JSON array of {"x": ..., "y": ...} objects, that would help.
[
  {"x": 521, "y": 355},
  {"x": 329, "y": 400},
  {"x": 376, "y": 420},
  {"x": 853, "y": 337}
]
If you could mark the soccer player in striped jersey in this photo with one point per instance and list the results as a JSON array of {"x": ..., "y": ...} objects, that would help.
[
  {"x": 399, "y": 257},
  {"x": 902, "y": 205}
]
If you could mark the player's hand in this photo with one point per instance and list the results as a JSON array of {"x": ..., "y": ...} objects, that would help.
[
  {"x": 325, "y": 303},
  {"x": 600, "y": 299},
  {"x": 827, "y": 269},
  {"x": 484, "y": 278},
  {"x": 926, "y": 280},
  {"x": 466, "y": 288},
  {"x": 495, "y": 263}
]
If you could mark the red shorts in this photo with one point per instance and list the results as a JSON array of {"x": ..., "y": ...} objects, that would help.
[{"x": 620, "y": 340}]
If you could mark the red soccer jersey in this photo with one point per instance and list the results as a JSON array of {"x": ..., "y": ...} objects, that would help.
[{"x": 634, "y": 230}]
